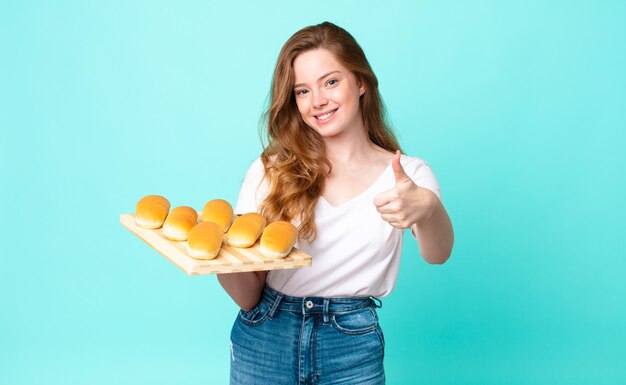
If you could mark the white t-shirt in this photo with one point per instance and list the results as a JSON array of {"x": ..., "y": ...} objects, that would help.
[{"x": 356, "y": 253}]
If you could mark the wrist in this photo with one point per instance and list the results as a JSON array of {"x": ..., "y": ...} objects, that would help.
[{"x": 430, "y": 204}]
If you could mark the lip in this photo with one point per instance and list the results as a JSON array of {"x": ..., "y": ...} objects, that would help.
[
  {"x": 333, "y": 111},
  {"x": 325, "y": 112}
]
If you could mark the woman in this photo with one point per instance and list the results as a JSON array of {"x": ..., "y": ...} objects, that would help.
[{"x": 335, "y": 170}]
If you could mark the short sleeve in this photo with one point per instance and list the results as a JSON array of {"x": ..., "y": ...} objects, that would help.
[
  {"x": 421, "y": 173},
  {"x": 253, "y": 189}
]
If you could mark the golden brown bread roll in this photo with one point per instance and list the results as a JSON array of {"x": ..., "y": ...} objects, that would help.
[
  {"x": 205, "y": 240},
  {"x": 218, "y": 211},
  {"x": 178, "y": 223},
  {"x": 245, "y": 230},
  {"x": 278, "y": 239},
  {"x": 151, "y": 211}
]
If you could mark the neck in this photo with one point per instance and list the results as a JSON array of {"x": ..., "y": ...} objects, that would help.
[{"x": 348, "y": 147}]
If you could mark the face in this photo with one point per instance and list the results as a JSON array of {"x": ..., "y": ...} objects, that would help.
[{"x": 327, "y": 94}]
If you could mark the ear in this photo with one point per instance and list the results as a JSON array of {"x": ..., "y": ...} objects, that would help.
[{"x": 361, "y": 86}]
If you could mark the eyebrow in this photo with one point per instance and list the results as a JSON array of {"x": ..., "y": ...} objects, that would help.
[{"x": 320, "y": 78}]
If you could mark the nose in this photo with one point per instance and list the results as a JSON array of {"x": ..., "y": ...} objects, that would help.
[{"x": 319, "y": 99}]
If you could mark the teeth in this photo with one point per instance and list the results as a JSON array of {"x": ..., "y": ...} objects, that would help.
[{"x": 326, "y": 116}]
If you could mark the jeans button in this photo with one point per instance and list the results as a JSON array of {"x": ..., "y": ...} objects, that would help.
[{"x": 309, "y": 304}]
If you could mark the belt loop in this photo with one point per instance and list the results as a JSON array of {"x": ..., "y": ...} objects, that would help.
[
  {"x": 279, "y": 297},
  {"x": 377, "y": 301},
  {"x": 325, "y": 310}
]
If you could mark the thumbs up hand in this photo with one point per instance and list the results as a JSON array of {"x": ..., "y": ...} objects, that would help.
[{"x": 406, "y": 203}]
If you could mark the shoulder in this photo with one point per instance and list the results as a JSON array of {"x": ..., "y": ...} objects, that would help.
[
  {"x": 256, "y": 168},
  {"x": 412, "y": 162},
  {"x": 253, "y": 188},
  {"x": 420, "y": 171},
  {"x": 257, "y": 165}
]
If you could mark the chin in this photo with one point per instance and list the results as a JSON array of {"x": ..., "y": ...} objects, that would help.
[{"x": 327, "y": 132}]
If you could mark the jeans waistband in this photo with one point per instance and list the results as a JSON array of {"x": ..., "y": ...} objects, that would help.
[{"x": 312, "y": 305}]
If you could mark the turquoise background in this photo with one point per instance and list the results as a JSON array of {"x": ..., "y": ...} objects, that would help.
[{"x": 519, "y": 107}]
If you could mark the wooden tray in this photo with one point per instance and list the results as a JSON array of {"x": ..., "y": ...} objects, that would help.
[{"x": 229, "y": 260}]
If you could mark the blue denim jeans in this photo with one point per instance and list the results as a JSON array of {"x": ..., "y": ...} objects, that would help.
[{"x": 307, "y": 340}]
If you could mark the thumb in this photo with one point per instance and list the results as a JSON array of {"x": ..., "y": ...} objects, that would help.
[{"x": 398, "y": 170}]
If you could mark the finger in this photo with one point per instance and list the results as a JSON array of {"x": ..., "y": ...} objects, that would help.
[
  {"x": 383, "y": 198},
  {"x": 398, "y": 170},
  {"x": 396, "y": 217},
  {"x": 396, "y": 224},
  {"x": 389, "y": 217},
  {"x": 395, "y": 221},
  {"x": 386, "y": 209}
]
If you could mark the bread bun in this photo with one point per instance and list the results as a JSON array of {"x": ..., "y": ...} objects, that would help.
[
  {"x": 218, "y": 211},
  {"x": 245, "y": 230},
  {"x": 205, "y": 240},
  {"x": 151, "y": 211},
  {"x": 278, "y": 239},
  {"x": 178, "y": 223}
]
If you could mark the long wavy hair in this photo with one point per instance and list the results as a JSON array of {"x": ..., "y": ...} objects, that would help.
[{"x": 294, "y": 159}]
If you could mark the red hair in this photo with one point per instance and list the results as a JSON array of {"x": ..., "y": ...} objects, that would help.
[{"x": 294, "y": 159}]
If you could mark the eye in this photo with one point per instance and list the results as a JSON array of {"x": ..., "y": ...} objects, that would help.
[
  {"x": 332, "y": 82},
  {"x": 301, "y": 92}
]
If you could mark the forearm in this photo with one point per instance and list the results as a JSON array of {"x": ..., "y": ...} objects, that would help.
[
  {"x": 435, "y": 235},
  {"x": 244, "y": 288}
]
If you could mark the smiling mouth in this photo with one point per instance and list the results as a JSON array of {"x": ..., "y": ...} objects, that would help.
[{"x": 326, "y": 116}]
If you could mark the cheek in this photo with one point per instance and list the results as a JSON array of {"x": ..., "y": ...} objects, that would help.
[
  {"x": 346, "y": 96},
  {"x": 350, "y": 102},
  {"x": 302, "y": 106}
]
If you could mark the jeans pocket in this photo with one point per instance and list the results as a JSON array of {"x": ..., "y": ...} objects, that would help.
[
  {"x": 256, "y": 316},
  {"x": 355, "y": 322},
  {"x": 381, "y": 335}
]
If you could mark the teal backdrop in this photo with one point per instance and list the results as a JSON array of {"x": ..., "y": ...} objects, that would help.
[{"x": 519, "y": 107}]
